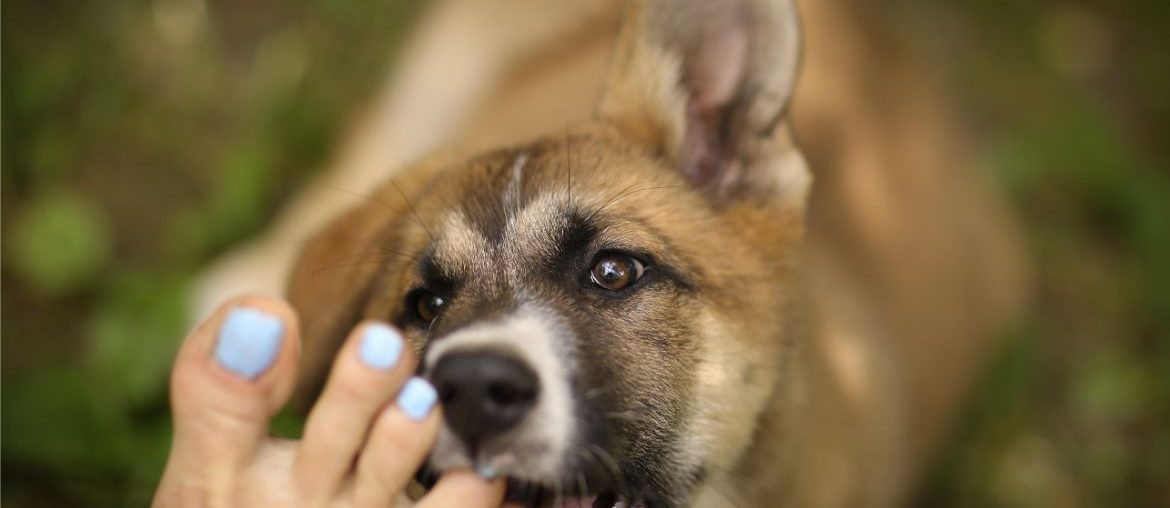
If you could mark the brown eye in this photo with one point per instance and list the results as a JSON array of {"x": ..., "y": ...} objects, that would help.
[
  {"x": 616, "y": 272},
  {"x": 428, "y": 305}
]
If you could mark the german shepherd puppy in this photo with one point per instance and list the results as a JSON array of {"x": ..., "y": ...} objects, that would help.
[{"x": 615, "y": 278}]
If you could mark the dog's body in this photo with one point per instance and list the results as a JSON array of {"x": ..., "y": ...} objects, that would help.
[{"x": 774, "y": 354}]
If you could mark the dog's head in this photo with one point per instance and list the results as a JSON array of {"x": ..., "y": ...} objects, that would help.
[{"x": 602, "y": 310}]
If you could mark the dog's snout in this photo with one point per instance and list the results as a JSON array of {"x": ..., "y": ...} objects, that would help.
[{"x": 484, "y": 393}]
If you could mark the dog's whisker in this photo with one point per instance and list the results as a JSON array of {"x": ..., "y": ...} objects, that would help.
[
  {"x": 569, "y": 167},
  {"x": 581, "y": 483},
  {"x": 611, "y": 470},
  {"x": 515, "y": 193},
  {"x": 621, "y": 415},
  {"x": 359, "y": 260},
  {"x": 558, "y": 493},
  {"x": 593, "y": 393},
  {"x": 430, "y": 327},
  {"x": 623, "y": 195},
  {"x": 397, "y": 252},
  {"x": 412, "y": 210},
  {"x": 366, "y": 197},
  {"x": 385, "y": 254},
  {"x": 344, "y": 264},
  {"x": 610, "y": 463},
  {"x": 611, "y": 200}
]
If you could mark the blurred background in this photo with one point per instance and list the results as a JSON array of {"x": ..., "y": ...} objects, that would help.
[{"x": 141, "y": 138}]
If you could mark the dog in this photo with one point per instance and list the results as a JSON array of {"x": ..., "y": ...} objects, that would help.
[{"x": 605, "y": 244}]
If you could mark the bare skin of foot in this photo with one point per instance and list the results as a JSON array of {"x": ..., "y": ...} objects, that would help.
[{"x": 363, "y": 441}]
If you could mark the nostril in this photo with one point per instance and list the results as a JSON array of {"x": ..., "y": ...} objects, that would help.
[
  {"x": 502, "y": 395},
  {"x": 446, "y": 392},
  {"x": 509, "y": 394}
]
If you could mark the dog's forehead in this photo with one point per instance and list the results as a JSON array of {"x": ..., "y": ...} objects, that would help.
[
  {"x": 465, "y": 242},
  {"x": 510, "y": 209},
  {"x": 506, "y": 208}
]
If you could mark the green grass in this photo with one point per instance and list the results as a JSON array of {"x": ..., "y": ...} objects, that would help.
[{"x": 142, "y": 138}]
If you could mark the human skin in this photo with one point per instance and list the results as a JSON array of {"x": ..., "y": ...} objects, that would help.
[{"x": 363, "y": 440}]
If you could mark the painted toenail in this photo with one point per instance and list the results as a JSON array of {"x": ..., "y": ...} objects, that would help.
[
  {"x": 417, "y": 398},
  {"x": 486, "y": 471},
  {"x": 249, "y": 342},
  {"x": 381, "y": 346}
]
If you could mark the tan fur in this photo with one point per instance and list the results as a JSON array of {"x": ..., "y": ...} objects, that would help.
[{"x": 909, "y": 262}]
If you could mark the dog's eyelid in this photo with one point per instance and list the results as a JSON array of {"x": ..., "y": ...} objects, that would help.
[
  {"x": 431, "y": 275},
  {"x": 636, "y": 241},
  {"x": 641, "y": 256}
]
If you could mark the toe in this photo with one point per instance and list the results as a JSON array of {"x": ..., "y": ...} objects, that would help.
[
  {"x": 369, "y": 369},
  {"x": 232, "y": 373},
  {"x": 464, "y": 489},
  {"x": 398, "y": 444}
]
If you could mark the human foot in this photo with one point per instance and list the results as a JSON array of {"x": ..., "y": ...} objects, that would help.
[{"x": 368, "y": 433}]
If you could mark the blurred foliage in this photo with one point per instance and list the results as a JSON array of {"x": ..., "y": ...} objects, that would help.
[
  {"x": 141, "y": 138},
  {"x": 59, "y": 242},
  {"x": 1069, "y": 105}
]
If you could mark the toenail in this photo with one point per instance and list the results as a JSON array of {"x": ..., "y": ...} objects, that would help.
[
  {"x": 381, "y": 346},
  {"x": 486, "y": 471},
  {"x": 248, "y": 341},
  {"x": 417, "y": 398}
]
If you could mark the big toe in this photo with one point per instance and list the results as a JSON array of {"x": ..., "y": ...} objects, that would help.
[{"x": 232, "y": 374}]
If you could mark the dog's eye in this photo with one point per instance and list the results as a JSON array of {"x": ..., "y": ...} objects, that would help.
[
  {"x": 427, "y": 305},
  {"x": 616, "y": 272}
]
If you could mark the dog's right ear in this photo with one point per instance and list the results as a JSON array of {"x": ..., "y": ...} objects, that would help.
[
  {"x": 329, "y": 287},
  {"x": 706, "y": 83}
]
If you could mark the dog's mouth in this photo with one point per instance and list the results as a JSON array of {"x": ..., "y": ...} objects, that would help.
[{"x": 531, "y": 495}]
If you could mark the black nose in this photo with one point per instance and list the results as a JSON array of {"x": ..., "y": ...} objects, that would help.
[{"x": 483, "y": 393}]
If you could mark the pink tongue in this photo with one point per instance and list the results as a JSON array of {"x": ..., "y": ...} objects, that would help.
[{"x": 575, "y": 502}]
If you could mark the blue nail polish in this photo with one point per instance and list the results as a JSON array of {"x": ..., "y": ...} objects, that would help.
[
  {"x": 486, "y": 471},
  {"x": 417, "y": 398},
  {"x": 248, "y": 341},
  {"x": 381, "y": 347}
]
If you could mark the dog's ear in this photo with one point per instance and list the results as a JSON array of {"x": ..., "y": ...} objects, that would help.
[
  {"x": 707, "y": 84},
  {"x": 329, "y": 287}
]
